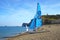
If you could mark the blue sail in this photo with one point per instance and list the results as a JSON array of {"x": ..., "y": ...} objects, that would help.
[
  {"x": 38, "y": 23},
  {"x": 37, "y": 20},
  {"x": 38, "y": 13},
  {"x": 33, "y": 24}
]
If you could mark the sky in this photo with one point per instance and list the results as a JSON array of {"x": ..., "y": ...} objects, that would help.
[{"x": 16, "y": 12}]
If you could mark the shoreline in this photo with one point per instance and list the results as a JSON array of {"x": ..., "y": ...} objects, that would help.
[{"x": 51, "y": 33}]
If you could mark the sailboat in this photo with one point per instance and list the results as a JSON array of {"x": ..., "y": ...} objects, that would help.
[{"x": 36, "y": 22}]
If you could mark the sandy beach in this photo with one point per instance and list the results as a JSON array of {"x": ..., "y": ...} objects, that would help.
[{"x": 46, "y": 32}]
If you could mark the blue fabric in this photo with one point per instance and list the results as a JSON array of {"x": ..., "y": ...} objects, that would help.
[
  {"x": 32, "y": 25},
  {"x": 38, "y": 7},
  {"x": 37, "y": 21}
]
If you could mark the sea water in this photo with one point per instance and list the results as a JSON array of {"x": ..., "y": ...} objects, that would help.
[{"x": 9, "y": 31}]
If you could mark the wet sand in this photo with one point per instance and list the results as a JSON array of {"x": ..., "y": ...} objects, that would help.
[{"x": 46, "y": 32}]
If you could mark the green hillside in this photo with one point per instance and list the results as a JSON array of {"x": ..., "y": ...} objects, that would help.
[{"x": 49, "y": 18}]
